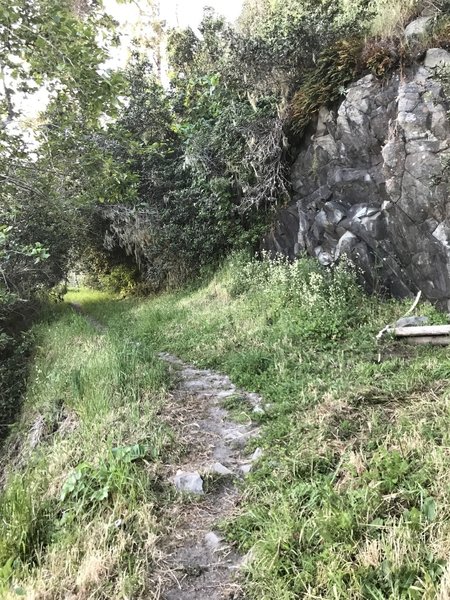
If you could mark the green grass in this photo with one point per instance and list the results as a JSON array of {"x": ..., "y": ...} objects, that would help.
[
  {"x": 79, "y": 509},
  {"x": 351, "y": 498}
]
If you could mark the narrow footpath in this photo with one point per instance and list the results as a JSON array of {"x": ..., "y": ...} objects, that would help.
[{"x": 201, "y": 564}]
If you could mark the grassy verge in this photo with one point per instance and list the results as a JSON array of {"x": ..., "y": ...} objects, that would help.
[
  {"x": 79, "y": 508},
  {"x": 351, "y": 498}
]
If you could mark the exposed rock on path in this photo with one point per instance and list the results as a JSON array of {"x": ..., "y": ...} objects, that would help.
[{"x": 200, "y": 563}]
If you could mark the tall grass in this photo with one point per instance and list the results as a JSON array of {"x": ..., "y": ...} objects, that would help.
[
  {"x": 78, "y": 506},
  {"x": 350, "y": 500},
  {"x": 391, "y": 16}
]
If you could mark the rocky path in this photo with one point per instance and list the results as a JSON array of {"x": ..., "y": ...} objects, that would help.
[
  {"x": 96, "y": 324},
  {"x": 200, "y": 563}
]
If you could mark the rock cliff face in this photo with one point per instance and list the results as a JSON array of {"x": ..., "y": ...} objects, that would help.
[{"x": 373, "y": 182}]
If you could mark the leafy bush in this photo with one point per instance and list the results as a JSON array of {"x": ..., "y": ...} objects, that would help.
[
  {"x": 326, "y": 298},
  {"x": 89, "y": 486},
  {"x": 120, "y": 279}
]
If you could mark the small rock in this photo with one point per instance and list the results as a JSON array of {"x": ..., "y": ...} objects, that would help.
[
  {"x": 212, "y": 540},
  {"x": 411, "y": 322},
  {"x": 189, "y": 482},
  {"x": 258, "y": 410},
  {"x": 245, "y": 469},
  {"x": 226, "y": 393},
  {"x": 238, "y": 439},
  {"x": 195, "y": 385},
  {"x": 220, "y": 469},
  {"x": 253, "y": 398},
  {"x": 437, "y": 57},
  {"x": 418, "y": 27},
  {"x": 256, "y": 454},
  {"x": 248, "y": 558}
]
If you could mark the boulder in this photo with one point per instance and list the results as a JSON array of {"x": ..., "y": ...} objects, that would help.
[
  {"x": 382, "y": 198},
  {"x": 418, "y": 27}
]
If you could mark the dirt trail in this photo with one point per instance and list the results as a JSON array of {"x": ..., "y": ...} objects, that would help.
[
  {"x": 96, "y": 324},
  {"x": 199, "y": 564},
  {"x": 202, "y": 566}
]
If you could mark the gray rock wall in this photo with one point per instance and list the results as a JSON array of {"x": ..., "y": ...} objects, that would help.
[{"x": 373, "y": 183}]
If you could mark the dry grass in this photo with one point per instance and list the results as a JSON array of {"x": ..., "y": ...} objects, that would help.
[{"x": 391, "y": 17}]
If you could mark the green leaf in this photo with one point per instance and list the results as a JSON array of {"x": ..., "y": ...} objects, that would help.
[
  {"x": 101, "y": 494},
  {"x": 429, "y": 508},
  {"x": 128, "y": 454}
]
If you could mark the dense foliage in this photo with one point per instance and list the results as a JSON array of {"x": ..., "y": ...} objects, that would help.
[
  {"x": 209, "y": 151},
  {"x": 181, "y": 170},
  {"x": 51, "y": 53},
  {"x": 150, "y": 178}
]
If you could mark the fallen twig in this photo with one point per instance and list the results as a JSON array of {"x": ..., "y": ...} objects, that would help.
[{"x": 391, "y": 326}]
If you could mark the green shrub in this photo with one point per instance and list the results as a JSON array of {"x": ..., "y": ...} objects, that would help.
[{"x": 119, "y": 279}]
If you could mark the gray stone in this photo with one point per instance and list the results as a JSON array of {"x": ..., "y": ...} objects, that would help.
[
  {"x": 382, "y": 196},
  {"x": 245, "y": 468},
  {"x": 323, "y": 118},
  {"x": 256, "y": 454},
  {"x": 226, "y": 393},
  {"x": 189, "y": 482},
  {"x": 258, "y": 410},
  {"x": 238, "y": 438},
  {"x": 418, "y": 27},
  {"x": 412, "y": 321},
  {"x": 346, "y": 244},
  {"x": 220, "y": 469},
  {"x": 212, "y": 540},
  {"x": 437, "y": 57}
]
